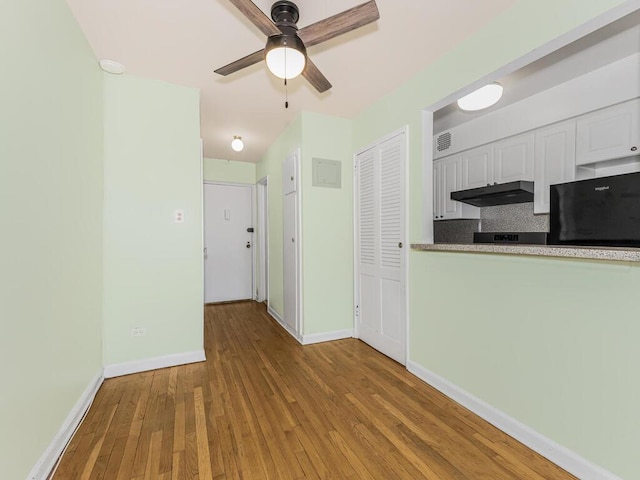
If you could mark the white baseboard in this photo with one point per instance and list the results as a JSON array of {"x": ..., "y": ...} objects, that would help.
[
  {"x": 137, "y": 366},
  {"x": 327, "y": 336},
  {"x": 278, "y": 318},
  {"x": 313, "y": 338},
  {"x": 561, "y": 456},
  {"x": 47, "y": 461}
]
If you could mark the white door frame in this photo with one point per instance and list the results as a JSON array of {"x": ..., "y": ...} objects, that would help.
[
  {"x": 262, "y": 226},
  {"x": 563, "y": 40},
  {"x": 406, "y": 247},
  {"x": 253, "y": 221}
]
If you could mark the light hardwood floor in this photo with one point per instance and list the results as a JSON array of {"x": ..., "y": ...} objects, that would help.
[{"x": 264, "y": 407}]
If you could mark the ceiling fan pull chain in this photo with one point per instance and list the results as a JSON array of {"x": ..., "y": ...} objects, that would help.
[
  {"x": 286, "y": 89},
  {"x": 286, "y": 94}
]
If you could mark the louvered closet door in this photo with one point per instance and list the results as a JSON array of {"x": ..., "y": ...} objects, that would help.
[{"x": 381, "y": 260}]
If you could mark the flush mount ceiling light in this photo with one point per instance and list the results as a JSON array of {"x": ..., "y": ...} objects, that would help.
[
  {"x": 482, "y": 98},
  {"x": 237, "y": 144},
  {"x": 285, "y": 55},
  {"x": 111, "y": 66}
]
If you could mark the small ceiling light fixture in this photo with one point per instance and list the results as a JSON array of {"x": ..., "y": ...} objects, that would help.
[
  {"x": 111, "y": 66},
  {"x": 482, "y": 98},
  {"x": 237, "y": 144}
]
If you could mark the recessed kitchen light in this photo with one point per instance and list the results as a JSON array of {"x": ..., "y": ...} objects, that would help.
[{"x": 111, "y": 66}]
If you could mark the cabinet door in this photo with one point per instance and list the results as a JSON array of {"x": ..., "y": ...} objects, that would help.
[
  {"x": 437, "y": 190},
  {"x": 450, "y": 183},
  {"x": 610, "y": 133},
  {"x": 555, "y": 157},
  {"x": 513, "y": 159},
  {"x": 477, "y": 167}
]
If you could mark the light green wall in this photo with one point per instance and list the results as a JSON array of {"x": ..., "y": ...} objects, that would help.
[
  {"x": 152, "y": 266},
  {"x": 271, "y": 165},
  {"x": 553, "y": 343},
  {"x": 51, "y": 210},
  {"x": 327, "y": 228},
  {"x": 229, "y": 171},
  {"x": 327, "y": 222},
  {"x": 561, "y": 364}
]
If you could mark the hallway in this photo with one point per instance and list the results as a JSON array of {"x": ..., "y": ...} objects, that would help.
[{"x": 264, "y": 407}]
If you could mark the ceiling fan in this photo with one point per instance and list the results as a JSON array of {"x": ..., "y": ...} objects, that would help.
[{"x": 285, "y": 52}]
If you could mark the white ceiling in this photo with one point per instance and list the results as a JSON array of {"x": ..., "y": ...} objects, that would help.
[{"x": 182, "y": 42}]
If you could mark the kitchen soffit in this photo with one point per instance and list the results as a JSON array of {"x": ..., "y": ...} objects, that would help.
[{"x": 613, "y": 42}]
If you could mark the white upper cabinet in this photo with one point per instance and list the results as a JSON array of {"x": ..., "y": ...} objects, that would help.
[
  {"x": 513, "y": 159},
  {"x": 447, "y": 175},
  {"x": 437, "y": 190},
  {"x": 446, "y": 178},
  {"x": 451, "y": 183},
  {"x": 555, "y": 160},
  {"x": 477, "y": 167},
  {"x": 610, "y": 133}
]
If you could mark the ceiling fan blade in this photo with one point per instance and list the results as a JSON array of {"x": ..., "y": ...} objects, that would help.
[
  {"x": 336, "y": 25},
  {"x": 244, "y": 62},
  {"x": 256, "y": 16},
  {"x": 315, "y": 77}
]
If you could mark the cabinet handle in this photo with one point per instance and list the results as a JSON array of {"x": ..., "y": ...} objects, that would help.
[{"x": 633, "y": 149}]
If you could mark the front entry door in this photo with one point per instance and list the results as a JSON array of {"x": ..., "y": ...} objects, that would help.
[{"x": 228, "y": 241}]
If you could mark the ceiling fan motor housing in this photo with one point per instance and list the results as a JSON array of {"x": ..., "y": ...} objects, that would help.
[{"x": 285, "y": 15}]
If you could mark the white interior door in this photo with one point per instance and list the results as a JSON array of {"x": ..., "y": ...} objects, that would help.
[
  {"x": 291, "y": 243},
  {"x": 380, "y": 213},
  {"x": 290, "y": 264},
  {"x": 228, "y": 259}
]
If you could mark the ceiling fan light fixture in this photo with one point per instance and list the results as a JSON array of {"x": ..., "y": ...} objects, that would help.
[
  {"x": 285, "y": 56},
  {"x": 237, "y": 144},
  {"x": 482, "y": 98}
]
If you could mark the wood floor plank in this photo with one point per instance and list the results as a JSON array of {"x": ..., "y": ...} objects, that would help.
[
  {"x": 264, "y": 407},
  {"x": 204, "y": 457}
]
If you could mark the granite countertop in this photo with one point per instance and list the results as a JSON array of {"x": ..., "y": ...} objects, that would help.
[{"x": 594, "y": 253}]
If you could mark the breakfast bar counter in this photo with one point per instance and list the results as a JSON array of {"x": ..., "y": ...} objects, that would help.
[{"x": 592, "y": 253}]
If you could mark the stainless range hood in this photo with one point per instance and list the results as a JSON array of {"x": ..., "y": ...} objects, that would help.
[{"x": 496, "y": 194}]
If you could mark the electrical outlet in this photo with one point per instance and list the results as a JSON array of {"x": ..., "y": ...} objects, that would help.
[
  {"x": 138, "y": 332},
  {"x": 178, "y": 216}
]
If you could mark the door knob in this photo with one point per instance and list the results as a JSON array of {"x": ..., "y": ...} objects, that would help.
[
  {"x": 400, "y": 245},
  {"x": 248, "y": 244}
]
